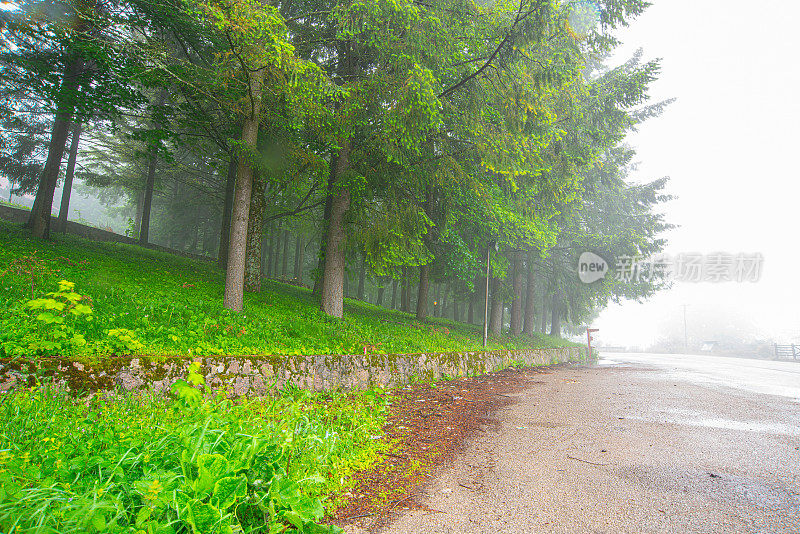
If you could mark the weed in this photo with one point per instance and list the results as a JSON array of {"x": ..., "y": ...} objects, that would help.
[{"x": 123, "y": 463}]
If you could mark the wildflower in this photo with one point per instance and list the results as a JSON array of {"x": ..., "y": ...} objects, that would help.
[{"x": 153, "y": 489}]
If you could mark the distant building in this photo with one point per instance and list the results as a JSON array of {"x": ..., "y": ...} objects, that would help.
[{"x": 708, "y": 346}]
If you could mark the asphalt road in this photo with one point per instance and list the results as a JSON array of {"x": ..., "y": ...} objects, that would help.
[{"x": 638, "y": 443}]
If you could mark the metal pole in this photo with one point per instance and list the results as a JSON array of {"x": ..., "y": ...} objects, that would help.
[
  {"x": 589, "y": 343},
  {"x": 486, "y": 303},
  {"x": 685, "y": 334}
]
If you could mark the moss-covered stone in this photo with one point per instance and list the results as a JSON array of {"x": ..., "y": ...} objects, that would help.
[{"x": 256, "y": 375}]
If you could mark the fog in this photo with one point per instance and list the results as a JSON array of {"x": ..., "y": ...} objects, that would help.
[
  {"x": 728, "y": 144},
  {"x": 84, "y": 206}
]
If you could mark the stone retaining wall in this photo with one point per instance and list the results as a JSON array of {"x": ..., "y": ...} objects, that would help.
[{"x": 256, "y": 375}]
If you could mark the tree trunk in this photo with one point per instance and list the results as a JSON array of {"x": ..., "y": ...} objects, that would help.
[
  {"x": 225, "y": 231},
  {"x": 394, "y": 294},
  {"x": 144, "y": 232},
  {"x": 270, "y": 250},
  {"x": 195, "y": 234},
  {"x": 437, "y": 301},
  {"x": 555, "y": 319},
  {"x": 456, "y": 309},
  {"x": 405, "y": 292},
  {"x": 39, "y": 219},
  {"x": 149, "y": 184},
  {"x": 543, "y": 312},
  {"x": 362, "y": 275},
  {"x": 326, "y": 217},
  {"x": 530, "y": 299},
  {"x": 208, "y": 237},
  {"x": 176, "y": 233},
  {"x": 298, "y": 258},
  {"x": 496, "y": 309},
  {"x": 285, "y": 256},
  {"x": 255, "y": 236},
  {"x": 234, "y": 276},
  {"x": 276, "y": 259},
  {"x": 264, "y": 251},
  {"x": 422, "y": 294},
  {"x": 137, "y": 218},
  {"x": 381, "y": 283},
  {"x": 471, "y": 309},
  {"x": 63, "y": 212},
  {"x": 332, "y": 298},
  {"x": 516, "y": 303}
]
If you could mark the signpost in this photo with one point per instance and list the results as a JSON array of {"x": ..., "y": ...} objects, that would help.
[{"x": 589, "y": 339}]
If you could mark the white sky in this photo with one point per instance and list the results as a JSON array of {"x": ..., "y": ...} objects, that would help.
[{"x": 729, "y": 144}]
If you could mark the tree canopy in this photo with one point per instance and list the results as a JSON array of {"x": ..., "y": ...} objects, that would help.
[{"x": 394, "y": 140}]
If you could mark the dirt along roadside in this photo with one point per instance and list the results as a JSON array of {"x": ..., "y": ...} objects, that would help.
[
  {"x": 585, "y": 449},
  {"x": 430, "y": 424}
]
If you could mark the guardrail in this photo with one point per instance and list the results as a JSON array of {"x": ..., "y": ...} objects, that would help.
[{"x": 792, "y": 351}]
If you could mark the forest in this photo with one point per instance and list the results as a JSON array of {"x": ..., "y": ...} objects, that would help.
[{"x": 380, "y": 150}]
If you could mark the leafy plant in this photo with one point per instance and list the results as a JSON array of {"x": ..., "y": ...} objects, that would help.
[
  {"x": 123, "y": 340},
  {"x": 133, "y": 464},
  {"x": 51, "y": 324}
]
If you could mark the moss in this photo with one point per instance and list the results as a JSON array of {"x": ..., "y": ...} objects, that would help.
[{"x": 389, "y": 368}]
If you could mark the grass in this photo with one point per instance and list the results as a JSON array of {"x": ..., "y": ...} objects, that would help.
[
  {"x": 150, "y": 464},
  {"x": 186, "y": 462},
  {"x": 4, "y": 202},
  {"x": 148, "y": 302}
]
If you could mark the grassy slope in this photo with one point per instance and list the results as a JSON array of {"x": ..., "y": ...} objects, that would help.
[{"x": 174, "y": 305}]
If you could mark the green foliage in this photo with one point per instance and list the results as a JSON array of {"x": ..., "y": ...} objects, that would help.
[
  {"x": 123, "y": 340},
  {"x": 50, "y": 325},
  {"x": 448, "y": 125},
  {"x": 146, "y": 302},
  {"x": 132, "y": 464}
]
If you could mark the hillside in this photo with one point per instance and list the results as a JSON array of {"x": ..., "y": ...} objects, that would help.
[{"x": 148, "y": 302}]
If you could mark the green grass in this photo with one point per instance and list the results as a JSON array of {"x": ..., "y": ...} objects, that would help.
[
  {"x": 5, "y": 202},
  {"x": 149, "y": 464},
  {"x": 148, "y": 302},
  {"x": 182, "y": 463}
]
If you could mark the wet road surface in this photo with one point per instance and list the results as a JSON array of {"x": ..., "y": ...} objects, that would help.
[{"x": 638, "y": 443}]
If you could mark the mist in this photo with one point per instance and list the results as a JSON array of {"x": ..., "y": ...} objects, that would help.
[{"x": 727, "y": 143}]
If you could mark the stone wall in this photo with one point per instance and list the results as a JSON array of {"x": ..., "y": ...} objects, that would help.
[{"x": 256, "y": 375}]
